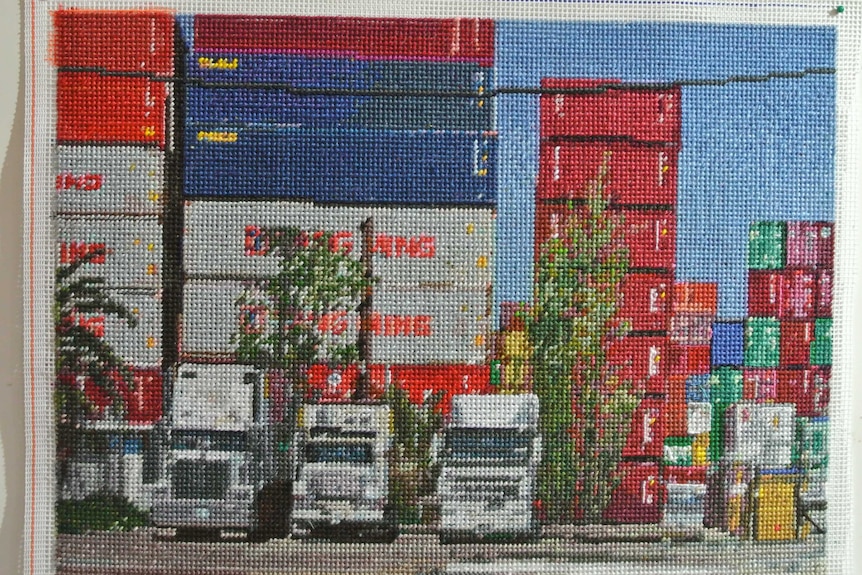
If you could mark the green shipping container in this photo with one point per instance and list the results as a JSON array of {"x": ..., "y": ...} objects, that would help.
[
  {"x": 677, "y": 451},
  {"x": 716, "y": 433},
  {"x": 725, "y": 386},
  {"x": 813, "y": 438},
  {"x": 821, "y": 347},
  {"x": 762, "y": 342},
  {"x": 766, "y": 245}
]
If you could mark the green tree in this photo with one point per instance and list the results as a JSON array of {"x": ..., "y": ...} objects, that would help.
[
  {"x": 317, "y": 281},
  {"x": 585, "y": 408},
  {"x": 81, "y": 353}
]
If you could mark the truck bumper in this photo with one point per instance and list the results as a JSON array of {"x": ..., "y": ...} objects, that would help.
[
  {"x": 477, "y": 521},
  {"x": 202, "y": 514}
]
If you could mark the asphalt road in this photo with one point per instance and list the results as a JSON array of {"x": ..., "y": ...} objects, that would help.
[{"x": 149, "y": 552}]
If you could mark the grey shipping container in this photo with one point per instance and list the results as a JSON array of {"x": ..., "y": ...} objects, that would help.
[
  {"x": 406, "y": 328},
  {"x": 139, "y": 345},
  {"x": 760, "y": 434},
  {"x": 109, "y": 180},
  {"x": 129, "y": 249},
  {"x": 414, "y": 249}
]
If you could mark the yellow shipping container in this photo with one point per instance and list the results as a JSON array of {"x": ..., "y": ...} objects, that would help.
[
  {"x": 700, "y": 450},
  {"x": 776, "y": 508}
]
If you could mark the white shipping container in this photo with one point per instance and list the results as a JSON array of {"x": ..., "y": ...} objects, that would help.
[
  {"x": 699, "y": 417},
  {"x": 131, "y": 246},
  {"x": 138, "y": 346},
  {"x": 406, "y": 328},
  {"x": 761, "y": 434},
  {"x": 109, "y": 179},
  {"x": 414, "y": 248}
]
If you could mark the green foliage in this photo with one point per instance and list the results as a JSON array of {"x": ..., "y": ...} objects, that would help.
[
  {"x": 314, "y": 282},
  {"x": 585, "y": 409},
  {"x": 412, "y": 475},
  {"x": 78, "y": 351},
  {"x": 101, "y": 512}
]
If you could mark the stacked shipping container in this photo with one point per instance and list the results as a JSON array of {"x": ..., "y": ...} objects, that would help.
[
  {"x": 338, "y": 122},
  {"x": 110, "y": 172},
  {"x": 633, "y": 136}
]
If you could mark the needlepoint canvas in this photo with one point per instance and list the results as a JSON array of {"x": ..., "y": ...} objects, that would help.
[{"x": 454, "y": 288}]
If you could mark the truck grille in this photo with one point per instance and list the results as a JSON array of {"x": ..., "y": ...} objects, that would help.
[
  {"x": 200, "y": 479},
  {"x": 335, "y": 486},
  {"x": 487, "y": 488}
]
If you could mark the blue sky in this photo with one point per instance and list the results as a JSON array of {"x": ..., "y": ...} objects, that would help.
[{"x": 750, "y": 151}]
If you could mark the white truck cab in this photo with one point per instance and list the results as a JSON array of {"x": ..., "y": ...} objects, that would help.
[{"x": 490, "y": 452}]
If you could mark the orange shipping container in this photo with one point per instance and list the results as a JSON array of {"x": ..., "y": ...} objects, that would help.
[{"x": 695, "y": 298}]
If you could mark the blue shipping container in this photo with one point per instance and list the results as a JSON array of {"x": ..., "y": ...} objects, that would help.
[
  {"x": 245, "y": 106},
  {"x": 341, "y": 166},
  {"x": 338, "y": 73},
  {"x": 727, "y": 343},
  {"x": 697, "y": 389}
]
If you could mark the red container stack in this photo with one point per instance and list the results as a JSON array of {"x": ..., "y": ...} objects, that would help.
[
  {"x": 111, "y": 122},
  {"x": 629, "y": 138},
  {"x": 797, "y": 295}
]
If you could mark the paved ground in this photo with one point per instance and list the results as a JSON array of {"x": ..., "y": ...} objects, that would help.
[{"x": 149, "y": 552}]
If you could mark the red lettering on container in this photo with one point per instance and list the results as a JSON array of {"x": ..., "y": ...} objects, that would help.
[
  {"x": 85, "y": 182},
  {"x": 400, "y": 246},
  {"x": 71, "y": 252}
]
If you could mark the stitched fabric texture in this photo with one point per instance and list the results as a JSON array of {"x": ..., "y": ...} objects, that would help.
[{"x": 438, "y": 292}]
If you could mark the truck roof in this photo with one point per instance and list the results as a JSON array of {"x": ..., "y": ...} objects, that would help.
[{"x": 495, "y": 411}]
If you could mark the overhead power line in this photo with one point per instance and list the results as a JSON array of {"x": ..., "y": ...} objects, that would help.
[{"x": 490, "y": 93}]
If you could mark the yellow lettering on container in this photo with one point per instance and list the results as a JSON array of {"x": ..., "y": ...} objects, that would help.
[
  {"x": 218, "y": 63},
  {"x": 217, "y": 136}
]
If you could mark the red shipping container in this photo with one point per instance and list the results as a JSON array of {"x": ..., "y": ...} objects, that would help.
[
  {"x": 643, "y": 360},
  {"x": 637, "y": 499},
  {"x": 637, "y": 175},
  {"x": 796, "y": 338},
  {"x": 759, "y": 385},
  {"x": 647, "y": 433},
  {"x": 118, "y": 41},
  {"x": 649, "y": 235},
  {"x": 808, "y": 389},
  {"x": 676, "y": 388},
  {"x": 798, "y": 294},
  {"x": 823, "y": 305},
  {"x": 141, "y": 404},
  {"x": 682, "y": 475},
  {"x": 675, "y": 416},
  {"x": 691, "y": 330},
  {"x": 649, "y": 115},
  {"x": 423, "y": 380},
  {"x": 695, "y": 298},
  {"x": 452, "y": 39},
  {"x": 646, "y": 301},
  {"x": 689, "y": 360},
  {"x": 328, "y": 383},
  {"x": 765, "y": 293},
  {"x": 803, "y": 243},
  {"x": 94, "y": 108},
  {"x": 826, "y": 245}
]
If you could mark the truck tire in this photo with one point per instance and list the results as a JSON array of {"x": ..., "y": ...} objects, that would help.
[
  {"x": 271, "y": 510},
  {"x": 197, "y": 534}
]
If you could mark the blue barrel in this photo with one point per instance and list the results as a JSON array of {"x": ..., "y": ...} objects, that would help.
[
  {"x": 341, "y": 166},
  {"x": 727, "y": 343}
]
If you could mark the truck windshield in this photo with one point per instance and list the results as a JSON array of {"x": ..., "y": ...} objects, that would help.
[
  {"x": 505, "y": 446},
  {"x": 208, "y": 440},
  {"x": 339, "y": 453}
]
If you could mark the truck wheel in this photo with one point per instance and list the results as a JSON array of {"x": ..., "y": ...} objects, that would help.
[
  {"x": 271, "y": 509},
  {"x": 197, "y": 534},
  {"x": 447, "y": 538}
]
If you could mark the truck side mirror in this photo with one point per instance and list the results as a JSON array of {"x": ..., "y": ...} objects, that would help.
[{"x": 434, "y": 451}]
